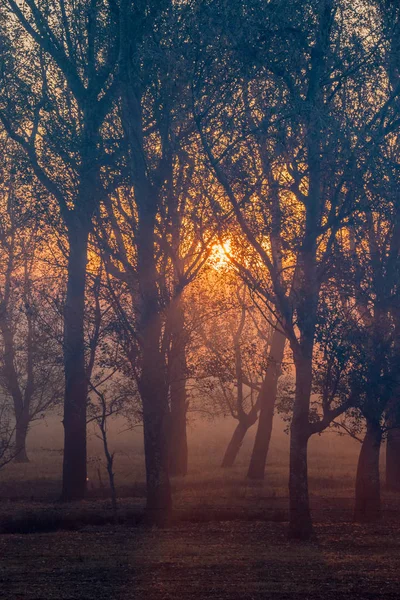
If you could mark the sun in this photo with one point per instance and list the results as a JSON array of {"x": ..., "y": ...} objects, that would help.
[{"x": 220, "y": 254}]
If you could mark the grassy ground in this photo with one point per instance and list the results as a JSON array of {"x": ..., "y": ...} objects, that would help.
[
  {"x": 221, "y": 560},
  {"x": 227, "y": 539}
]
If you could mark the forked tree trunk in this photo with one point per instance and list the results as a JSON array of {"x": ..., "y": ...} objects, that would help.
[
  {"x": 266, "y": 402},
  {"x": 368, "y": 499},
  {"x": 300, "y": 523},
  {"x": 75, "y": 400},
  {"x": 393, "y": 460},
  {"x": 178, "y": 447}
]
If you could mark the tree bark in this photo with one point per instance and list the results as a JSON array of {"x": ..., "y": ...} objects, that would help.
[
  {"x": 368, "y": 502},
  {"x": 235, "y": 443},
  {"x": 75, "y": 400},
  {"x": 393, "y": 460},
  {"x": 178, "y": 447},
  {"x": 154, "y": 395},
  {"x": 300, "y": 526},
  {"x": 159, "y": 502},
  {"x": 21, "y": 432},
  {"x": 300, "y": 523},
  {"x": 267, "y": 401},
  {"x": 152, "y": 381},
  {"x": 152, "y": 385},
  {"x": 21, "y": 404}
]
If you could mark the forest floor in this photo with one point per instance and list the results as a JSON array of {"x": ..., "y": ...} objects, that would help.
[
  {"x": 227, "y": 539},
  {"x": 233, "y": 560}
]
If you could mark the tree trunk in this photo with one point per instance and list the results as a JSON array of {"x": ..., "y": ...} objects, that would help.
[
  {"x": 153, "y": 384},
  {"x": 154, "y": 395},
  {"x": 21, "y": 432},
  {"x": 368, "y": 501},
  {"x": 267, "y": 399},
  {"x": 393, "y": 460},
  {"x": 300, "y": 524},
  {"x": 21, "y": 408},
  {"x": 159, "y": 502},
  {"x": 178, "y": 448},
  {"x": 235, "y": 444},
  {"x": 152, "y": 380},
  {"x": 75, "y": 400}
]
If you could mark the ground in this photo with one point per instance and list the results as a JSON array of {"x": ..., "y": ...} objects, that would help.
[
  {"x": 227, "y": 539},
  {"x": 223, "y": 560}
]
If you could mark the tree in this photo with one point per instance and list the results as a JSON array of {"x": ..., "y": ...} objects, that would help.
[
  {"x": 282, "y": 149},
  {"x": 7, "y": 431},
  {"x": 392, "y": 459},
  {"x": 229, "y": 364},
  {"x": 267, "y": 400},
  {"x": 376, "y": 284},
  {"x": 390, "y": 15},
  {"x": 30, "y": 366},
  {"x": 55, "y": 105}
]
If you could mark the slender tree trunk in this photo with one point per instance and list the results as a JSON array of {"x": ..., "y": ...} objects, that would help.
[
  {"x": 23, "y": 417},
  {"x": 300, "y": 524},
  {"x": 267, "y": 401},
  {"x": 368, "y": 501},
  {"x": 21, "y": 409},
  {"x": 21, "y": 432},
  {"x": 178, "y": 447},
  {"x": 75, "y": 400},
  {"x": 235, "y": 443},
  {"x": 393, "y": 460}
]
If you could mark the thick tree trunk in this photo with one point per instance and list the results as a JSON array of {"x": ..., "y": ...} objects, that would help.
[
  {"x": 21, "y": 432},
  {"x": 368, "y": 500},
  {"x": 393, "y": 460},
  {"x": 300, "y": 524},
  {"x": 154, "y": 395},
  {"x": 75, "y": 400},
  {"x": 159, "y": 502},
  {"x": 178, "y": 448},
  {"x": 153, "y": 382},
  {"x": 266, "y": 402}
]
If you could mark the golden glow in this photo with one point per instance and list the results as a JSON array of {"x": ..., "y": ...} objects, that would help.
[{"x": 220, "y": 254}]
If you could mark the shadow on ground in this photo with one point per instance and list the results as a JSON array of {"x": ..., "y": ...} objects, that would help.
[{"x": 227, "y": 560}]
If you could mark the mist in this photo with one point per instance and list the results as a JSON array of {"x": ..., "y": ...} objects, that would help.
[{"x": 199, "y": 299}]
